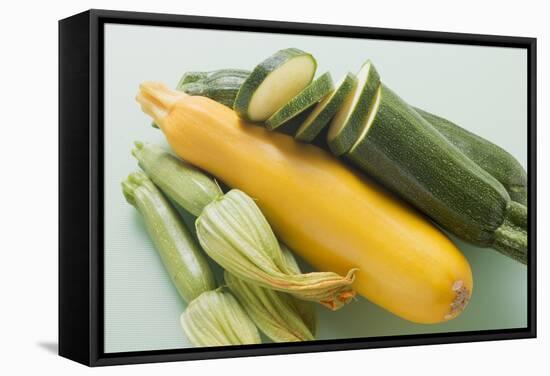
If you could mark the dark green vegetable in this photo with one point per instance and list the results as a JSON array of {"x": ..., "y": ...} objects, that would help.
[
  {"x": 407, "y": 154},
  {"x": 490, "y": 157},
  {"x": 222, "y": 84}
]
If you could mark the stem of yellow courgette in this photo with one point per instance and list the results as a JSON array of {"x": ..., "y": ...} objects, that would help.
[{"x": 157, "y": 99}]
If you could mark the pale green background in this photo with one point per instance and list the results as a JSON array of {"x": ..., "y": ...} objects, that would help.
[{"x": 482, "y": 88}]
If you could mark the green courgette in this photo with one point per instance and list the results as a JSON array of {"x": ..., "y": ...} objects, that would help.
[
  {"x": 312, "y": 94},
  {"x": 185, "y": 184},
  {"x": 324, "y": 111},
  {"x": 353, "y": 114},
  {"x": 408, "y": 155},
  {"x": 490, "y": 157},
  {"x": 193, "y": 190},
  {"x": 223, "y": 84},
  {"x": 273, "y": 83},
  {"x": 180, "y": 254}
]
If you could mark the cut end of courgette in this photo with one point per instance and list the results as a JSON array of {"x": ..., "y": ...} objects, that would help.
[
  {"x": 273, "y": 83},
  {"x": 345, "y": 126},
  {"x": 312, "y": 94},
  {"x": 323, "y": 112}
]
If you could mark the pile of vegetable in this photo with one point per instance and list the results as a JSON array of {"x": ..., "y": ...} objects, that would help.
[{"x": 302, "y": 194}]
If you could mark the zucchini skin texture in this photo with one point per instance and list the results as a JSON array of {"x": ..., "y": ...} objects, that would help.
[
  {"x": 405, "y": 153},
  {"x": 490, "y": 157},
  {"x": 223, "y": 84},
  {"x": 331, "y": 215},
  {"x": 181, "y": 255},
  {"x": 259, "y": 74},
  {"x": 185, "y": 184}
]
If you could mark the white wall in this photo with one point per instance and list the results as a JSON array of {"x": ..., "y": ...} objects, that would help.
[{"x": 28, "y": 200}]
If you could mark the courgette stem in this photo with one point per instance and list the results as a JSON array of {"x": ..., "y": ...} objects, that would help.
[
  {"x": 193, "y": 189},
  {"x": 511, "y": 240},
  {"x": 517, "y": 215},
  {"x": 180, "y": 254}
]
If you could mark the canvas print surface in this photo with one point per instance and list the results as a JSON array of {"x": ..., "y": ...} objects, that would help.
[{"x": 267, "y": 188}]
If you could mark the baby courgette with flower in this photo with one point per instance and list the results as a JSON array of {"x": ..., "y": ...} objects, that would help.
[
  {"x": 231, "y": 226},
  {"x": 216, "y": 318},
  {"x": 223, "y": 84}
]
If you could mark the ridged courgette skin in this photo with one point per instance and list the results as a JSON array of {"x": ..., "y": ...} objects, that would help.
[
  {"x": 490, "y": 157},
  {"x": 223, "y": 84},
  {"x": 404, "y": 152}
]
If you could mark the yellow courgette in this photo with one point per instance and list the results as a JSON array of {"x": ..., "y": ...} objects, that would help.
[{"x": 331, "y": 215}]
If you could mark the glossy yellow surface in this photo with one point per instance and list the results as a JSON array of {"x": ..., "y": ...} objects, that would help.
[{"x": 329, "y": 214}]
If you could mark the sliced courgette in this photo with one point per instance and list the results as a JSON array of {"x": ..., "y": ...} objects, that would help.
[
  {"x": 273, "y": 83},
  {"x": 350, "y": 119},
  {"x": 407, "y": 154},
  {"x": 312, "y": 94},
  {"x": 326, "y": 109}
]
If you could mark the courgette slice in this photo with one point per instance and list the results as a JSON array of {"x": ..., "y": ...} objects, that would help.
[
  {"x": 324, "y": 111},
  {"x": 350, "y": 119},
  {"x": 312, "y": 94},
  {"x": 273, "y": 83}
]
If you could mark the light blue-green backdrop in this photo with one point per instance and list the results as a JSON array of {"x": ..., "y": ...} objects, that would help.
[{"x": 482, "y": 88}]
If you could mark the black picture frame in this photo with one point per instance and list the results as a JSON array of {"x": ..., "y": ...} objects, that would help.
[{"x": 81, "y": 175}]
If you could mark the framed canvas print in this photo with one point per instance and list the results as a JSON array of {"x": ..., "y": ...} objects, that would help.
[{"x": 236, "y": 187}]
